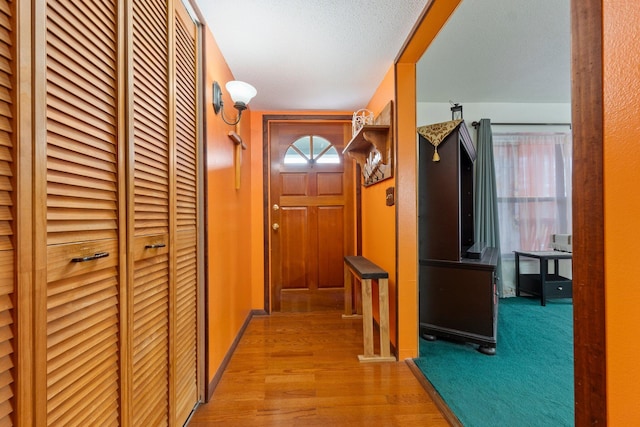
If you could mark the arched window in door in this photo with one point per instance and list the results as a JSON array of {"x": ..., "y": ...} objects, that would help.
[{"x": 311, "y": 149}]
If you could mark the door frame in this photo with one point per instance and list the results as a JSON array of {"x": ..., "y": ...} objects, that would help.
[
  {"x": 266, "y": 174},
  {"x": 587, "y": 105}
]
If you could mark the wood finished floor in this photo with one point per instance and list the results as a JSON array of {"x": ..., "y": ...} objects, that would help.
[{"x": 301, "y": 369}]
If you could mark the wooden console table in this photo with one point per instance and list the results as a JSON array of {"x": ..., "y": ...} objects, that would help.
[
  {"x": 366, "y": 272},
  {"x": 547, "y": 285}
]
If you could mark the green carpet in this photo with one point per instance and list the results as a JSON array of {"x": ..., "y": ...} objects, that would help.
[{"x": 529, "y": 382}]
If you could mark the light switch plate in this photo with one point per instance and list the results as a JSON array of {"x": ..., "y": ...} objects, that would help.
[{"x": 391, "y": 197}]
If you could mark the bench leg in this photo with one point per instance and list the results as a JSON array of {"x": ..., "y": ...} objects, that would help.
[
  {"x": 348, "y": 295},
  {"x": 348, "y": 292},
  {"x": 383, "y": 298},
  {"x": 367, "y": 322},
  {"x": 367, "y": 318}
]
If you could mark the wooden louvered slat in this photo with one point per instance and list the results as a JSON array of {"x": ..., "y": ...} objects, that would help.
[
  {"x": 150, "y": 338},
  {"x": 150, "y": 105},
  {"x": 94, "y": 143},
  {"x": 186, "y": 328},
  {"x": 86, "y": 197},
  {"x": 87, "y": 360},
  {"x": 90, "y": 204},
  {"x": 5, "y": 413},
  {"x": 186, "y": 190},
  {"x": 82, "y": 319},
  {"x": 100, "y": 381},
  {"x": 74, "y": 15},
  {"x": 75, "y": 39},
  {"x": 7, "y": 186}
]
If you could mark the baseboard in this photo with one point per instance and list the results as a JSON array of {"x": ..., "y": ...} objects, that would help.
[
  {"x": 433, "y": 393},
  {"x": 225, "y": 362}
]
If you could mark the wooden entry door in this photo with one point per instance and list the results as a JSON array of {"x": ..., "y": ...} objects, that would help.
[{"x": 310, "y": 214}]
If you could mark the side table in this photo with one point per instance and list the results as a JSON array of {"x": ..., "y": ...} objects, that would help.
[{"x": 546, "y": 285}]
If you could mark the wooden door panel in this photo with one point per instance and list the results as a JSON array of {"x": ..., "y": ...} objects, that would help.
[
  {"x": 329, "y": 184},
  {"x": 293, "y": 184},
  {"x": 7, "y": 334},
  {"x": 82, "y": 296},
  {"x": 74, "y": 259},
  {"x": 8, "y": 331},
  {"x": 150, "y": 246},
  {"x": 294, "y": 246},
  {"x": 330, "y": 246},
  {"x": 311, "y": 195},
  {"x": 186, "y": 219},
  {"x": 151, "y": 222},
  {"x": 82, "y": 336},
  {"x": 150, "y": 341},
  {"x": 186, "y": 324}
]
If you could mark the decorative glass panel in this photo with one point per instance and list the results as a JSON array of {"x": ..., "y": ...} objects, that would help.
[
  {"x": 311, "y": 149},
  {"x": 330, "y": 156},
  {"x": 320, "y": 144}
]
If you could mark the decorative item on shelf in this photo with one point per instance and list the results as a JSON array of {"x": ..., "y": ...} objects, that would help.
[
  {"x": 436, "y": 133},
  {"x": 241, "y": 93},
  {"x": 456, "y": 111},
  {"x": 373, "y": 168},
  {"x": 372, "y": 145},
  {"x": 360, "y": 118}
]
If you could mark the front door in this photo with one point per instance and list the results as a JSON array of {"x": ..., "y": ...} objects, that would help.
[{"x": 310, "y": 214}]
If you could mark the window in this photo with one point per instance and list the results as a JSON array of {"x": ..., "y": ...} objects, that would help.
[
  {"x": 533, "y": 183},
  {"x": 311, "y": 149}
]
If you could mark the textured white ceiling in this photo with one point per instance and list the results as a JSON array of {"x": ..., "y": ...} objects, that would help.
[
  {"x": 333, "y": 54},
  {"x": 500, "y": 51},
  {"x": 311, "y": 54}
]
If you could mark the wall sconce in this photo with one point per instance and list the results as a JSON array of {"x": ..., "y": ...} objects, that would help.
[
  {"x": 456, "y": 112},
  {"x": 240, "y": 92}
]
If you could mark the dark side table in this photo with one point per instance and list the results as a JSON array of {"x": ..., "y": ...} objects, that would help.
[{"x": 546, "y": 285}]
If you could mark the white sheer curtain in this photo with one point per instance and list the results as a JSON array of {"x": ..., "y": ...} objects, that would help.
[{"x": 533, "y": 180}]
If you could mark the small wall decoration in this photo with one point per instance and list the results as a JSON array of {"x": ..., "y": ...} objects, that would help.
[
  {"x": 360, "y": 118},
  {"x": 372, "y": 145}
]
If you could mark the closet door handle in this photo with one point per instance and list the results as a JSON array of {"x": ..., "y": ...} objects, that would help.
[
  {"x": 91, "y": 257},
  {"x": 155, "y": 246}
]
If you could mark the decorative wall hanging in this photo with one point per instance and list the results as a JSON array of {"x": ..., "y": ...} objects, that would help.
[{"x": 372, "y": 146}]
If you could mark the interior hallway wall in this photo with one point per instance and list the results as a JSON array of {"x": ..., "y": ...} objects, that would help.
[
  {"x": 378, "y": 219},
  {"x": 229, "y": 238},
  {"x": 621, "y": 53}
]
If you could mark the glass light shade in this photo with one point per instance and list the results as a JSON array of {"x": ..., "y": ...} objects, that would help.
[{"x": 241, "y": 91}]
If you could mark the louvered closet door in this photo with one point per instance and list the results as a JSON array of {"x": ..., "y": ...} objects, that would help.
[
  {"x": 186, "y": 216},
  {"x": 82, "y": 210},
  {"x": 7, "y": 184},
  {"x": 150, "y": 351}
]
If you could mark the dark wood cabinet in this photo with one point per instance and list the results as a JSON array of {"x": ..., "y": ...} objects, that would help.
[{"x": 458, "y": 295}]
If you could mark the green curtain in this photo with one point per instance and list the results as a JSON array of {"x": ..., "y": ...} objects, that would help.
[{"x": 486, "y": 227}]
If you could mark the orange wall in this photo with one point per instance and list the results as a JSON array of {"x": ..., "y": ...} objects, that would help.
[
  {"x": 407, "y": 177},
  {"x": 378, "y": 219},
  {"x": 389, "y": 234},
  {"x": 622, "y": 208},
  {"x": 229, "y": 238}
]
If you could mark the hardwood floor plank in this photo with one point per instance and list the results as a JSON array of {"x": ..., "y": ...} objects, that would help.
[{"x": 302, "y": 369}]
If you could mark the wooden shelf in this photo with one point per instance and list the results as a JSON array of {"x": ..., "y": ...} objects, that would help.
[
  {"x": 372, "y": 148},
  {"x": 370, "y": 135}
]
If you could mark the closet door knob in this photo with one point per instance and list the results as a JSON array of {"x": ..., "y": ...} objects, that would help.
[
  {"x": 155, "y": 246},
  {"x": 91, "y": 257},
  {"x": 275, "y": 226}
]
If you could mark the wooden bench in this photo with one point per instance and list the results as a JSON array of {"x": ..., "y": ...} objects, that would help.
[{"x": 366, "y": 272}]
